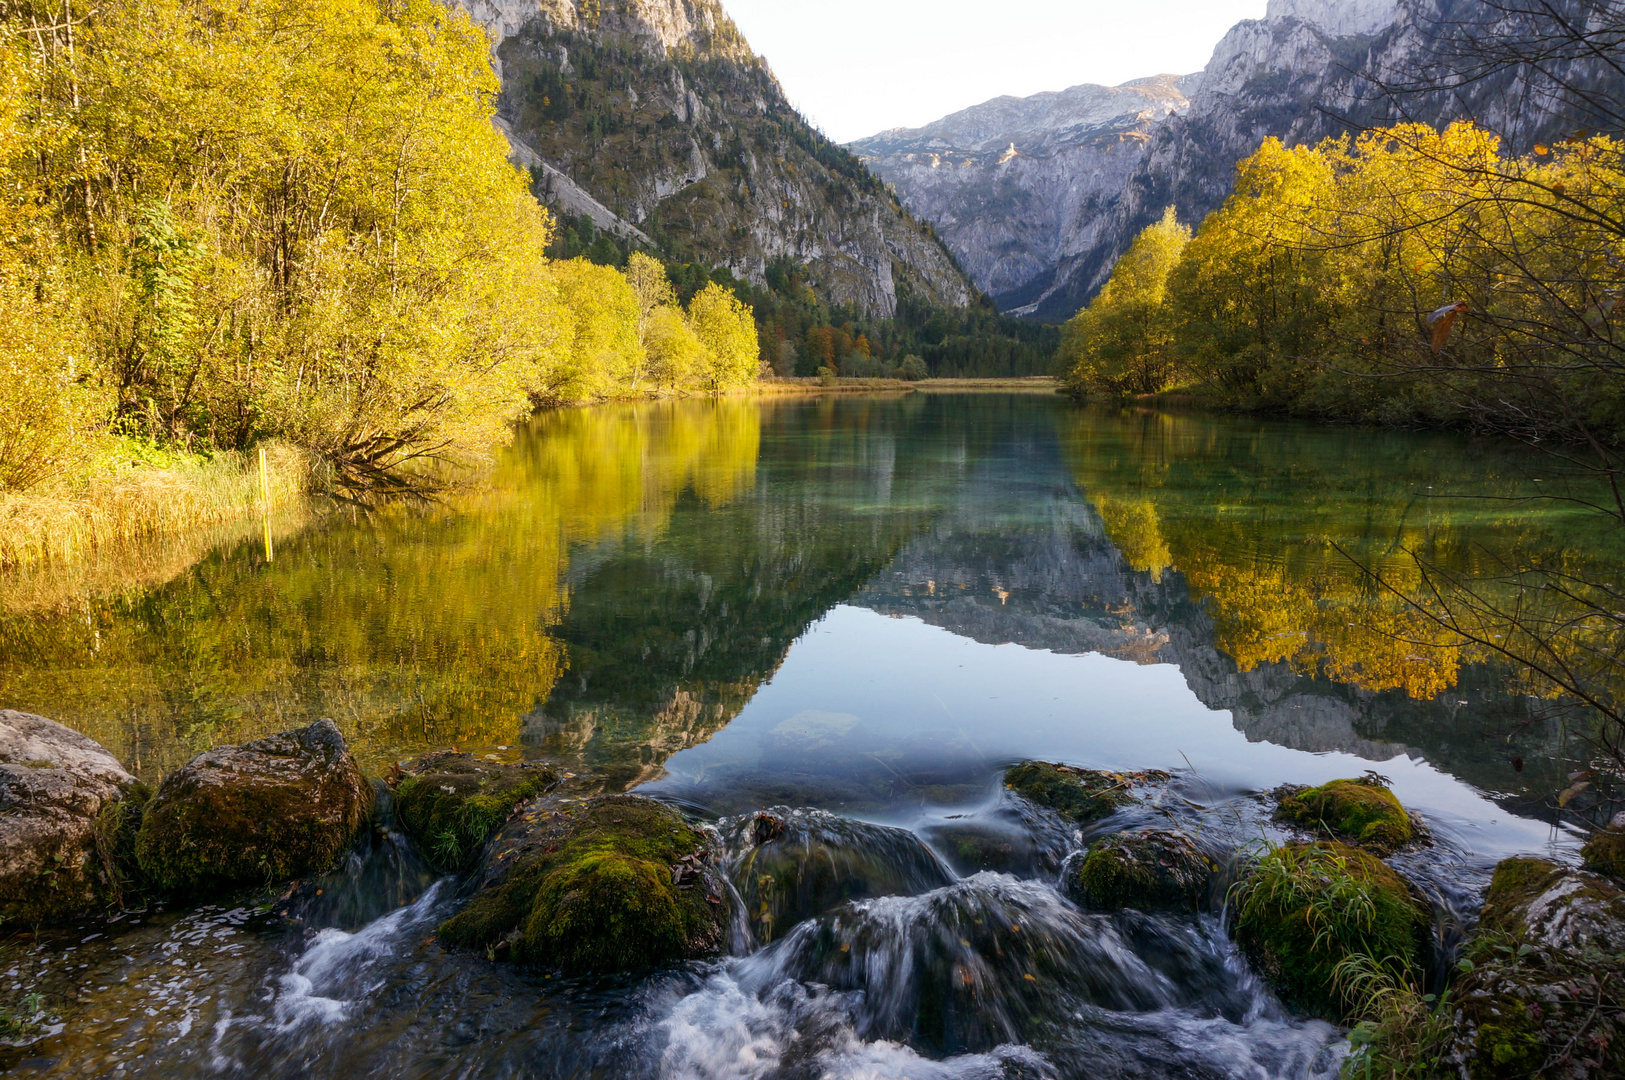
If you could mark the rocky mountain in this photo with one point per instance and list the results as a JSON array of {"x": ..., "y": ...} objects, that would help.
[
  {"x": 1307, "y": 70},
  {"x": 1015, "y": 186},
  {"x": 656, "y": 120}
]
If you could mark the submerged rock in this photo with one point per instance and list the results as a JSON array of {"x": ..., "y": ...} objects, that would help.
[
  {"x": 991, "y": 960},
  {"x": 269, "y": 810},
  {"x": 66, "y": 809},
  {"x": 1604, "y": 853},
  {"x": 1083, "y": 795},
  {"x": 791, "y": 865},
  {"x": 1361, "y": 812},
  {"x": 610, "y": 884},
  {"x": 1306, "y": 908},
  {"x": 1148, "y": 870},
  {"x": 982, "y": 844},
  {"x": 452, "y": 803},
  {"x": 1544, "y": 976}
]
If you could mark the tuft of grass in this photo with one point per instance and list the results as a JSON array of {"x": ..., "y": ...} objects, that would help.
[
  {"x": 1402, "y": 1033},
  {"x": 135, "y": 491},
  {"x": 1308, "y": 909}
]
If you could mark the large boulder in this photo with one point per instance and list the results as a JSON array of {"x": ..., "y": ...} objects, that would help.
[
  {"x": 1307, "y": 908},
  {"x": 1080, "y": 795},
  {"x": 66, "y": 807},
  {"x": 452, "y": 803},
  {"x": 791, "y": 865},
  {"x": 269, "y": 810},
  {"x": 613, "y": 883},
  {"x": 1362, "y": 812},
  {"x": 1604, "y": 853},
  {"x": 1543, "y": 976},
  {"x": 1148, "y": 870}
]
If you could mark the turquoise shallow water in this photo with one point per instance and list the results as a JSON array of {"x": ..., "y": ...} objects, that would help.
[{"x": 862, "y": 605}]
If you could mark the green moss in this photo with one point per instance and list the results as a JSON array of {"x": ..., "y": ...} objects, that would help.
[
  {"x": 1359, "y": 811},
  {"x": 452, "y": 804},
  {"x": 219, "y": 835},
  {"x": 1308, "y": 908},
  {"x": 591, "y": 888},
  {"x": 118, "y": 871},
  {"x": 1146, "y": 870},
  {"x": 1604, "y": 853},
  {"x": 1080, "y": 794},
  {"x": 1515, "y": 883}
]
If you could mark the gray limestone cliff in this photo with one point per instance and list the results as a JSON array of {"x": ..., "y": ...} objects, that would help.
[
  {"x": 1016, "y": 186},
  {"x": 1307, "y": 70},
  {"x": 655, "y": 119}
]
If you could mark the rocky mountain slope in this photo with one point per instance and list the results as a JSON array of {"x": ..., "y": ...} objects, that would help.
[
  {"x": 1307, "y": 70},
  {"x": 1017, "y": 185},
  {"x": 655, "y": 119}
]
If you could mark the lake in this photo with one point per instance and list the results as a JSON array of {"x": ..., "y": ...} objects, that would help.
[{"x": 866, "y": 604}]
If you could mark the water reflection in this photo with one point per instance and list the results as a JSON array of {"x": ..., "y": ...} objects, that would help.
[{"x": 810, "y": 574}]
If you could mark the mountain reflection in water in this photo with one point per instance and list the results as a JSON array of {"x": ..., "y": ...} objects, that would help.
[{"x": 634, "y": 574}]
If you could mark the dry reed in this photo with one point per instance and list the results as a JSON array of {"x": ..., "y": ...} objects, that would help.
[{"x": 143, "y": 501}]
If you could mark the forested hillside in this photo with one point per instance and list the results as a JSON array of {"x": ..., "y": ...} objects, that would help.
[{"x": 651, "y": 125}]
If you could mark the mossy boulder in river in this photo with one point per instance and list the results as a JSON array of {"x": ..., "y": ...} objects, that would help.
[
  {"x": 1362, "y": 812},
  {"x": 791, "y": 865},
  {"x": 1148, "y": 870},
  {"x": 66, "y": 810},
  {"x": 452, "y": 803},
  {"x": 1082, "y": 795},
  {"x": 1544, "y": 976},
  {"x": 1306, "y": 908},
  {"x": 1604, "y": 853},
  {"x": 609, "y": 884},
  {"x": 269, "y": 810}
]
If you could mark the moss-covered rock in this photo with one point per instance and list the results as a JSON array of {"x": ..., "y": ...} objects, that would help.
[
  {"x": 269, "y": 810},
  {"x": 1361, "y": 812},
  {"x": 1082, "y": 795},
  {"x": 791, "y": 865},
  {"x": 1308, "y": 907},
  {"x": 1604, "y": 853},
  {"x": 65, "y": 805},
  {"x": 609, "y": 884},
  {"x": 1540, "y": 975},
  {"x": 1148, "y": 870},
  {"x": 452, "y": 803}
]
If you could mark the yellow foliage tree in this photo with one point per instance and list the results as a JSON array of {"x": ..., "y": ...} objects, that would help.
[
  {"x": 1121, "y": 343},
  {"x": 726, "y": 329}
]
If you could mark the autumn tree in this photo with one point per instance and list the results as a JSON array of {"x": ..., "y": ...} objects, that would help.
[{"x": 1121, "y": 343}]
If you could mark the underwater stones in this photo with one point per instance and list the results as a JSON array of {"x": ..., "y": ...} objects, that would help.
[
  {"x": 609, "y": 884},
  {"x": 1083, "y": 795},
  {"x": 269, "y": 810},
  {"x": 1361, "y": 812},
  {"x": 976, "y": 845},
  {"x": 452, "y": 803},
  {"x": 1539, "y": 976},
  {"x": 814, "y": 861},
  {"x": 1150, "y": 869},
  {"x": 1306, "y": 908},
  {"x": 65, "y": 808},
  {"x": 1604, "y": 853}
]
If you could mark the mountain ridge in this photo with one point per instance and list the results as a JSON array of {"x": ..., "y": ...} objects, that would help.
[{"x": 1308, "y": 70}]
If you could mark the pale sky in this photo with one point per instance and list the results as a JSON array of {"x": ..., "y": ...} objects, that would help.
[{"x": 855, "y": 67}]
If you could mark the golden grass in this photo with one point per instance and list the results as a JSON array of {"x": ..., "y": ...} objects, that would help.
[
  {"x": 139, "y": 500},
  {"x": 799, "y": 385}
]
